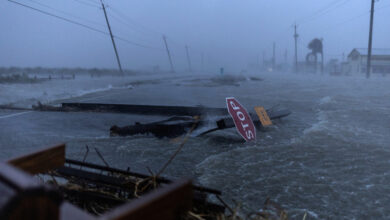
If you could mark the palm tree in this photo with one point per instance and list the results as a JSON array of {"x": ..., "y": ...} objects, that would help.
[{"x": 316, "y": 47}]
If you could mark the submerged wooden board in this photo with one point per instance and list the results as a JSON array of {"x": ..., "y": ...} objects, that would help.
[{"x": 41, "y": 161}]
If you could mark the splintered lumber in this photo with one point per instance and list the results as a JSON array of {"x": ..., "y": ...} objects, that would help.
[
  {"x": 41, "y": 161},
  {"x": 169, "y": 202},
  {"x": 23, "y": 197}
]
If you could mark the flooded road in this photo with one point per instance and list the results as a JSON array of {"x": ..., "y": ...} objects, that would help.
[{"x": 330, "y": 158}]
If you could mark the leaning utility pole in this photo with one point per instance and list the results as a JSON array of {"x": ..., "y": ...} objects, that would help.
[
  {"x": 296, "y": 48},
  {"x": 169, "y": 54},
  {"x": 370, "y": 39},
  {"x": 188, "y": 59},
  {"x": 112, "y": 37}
]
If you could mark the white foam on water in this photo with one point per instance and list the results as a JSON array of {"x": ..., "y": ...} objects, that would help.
[
  {"x": 85, "y": 92},
  {"x": 325, "y": 100},
  {"x": 28, "y": 94},
  {"x": 14, "y": 115},
  {"x": 311, "y": 213},
  {"x": 320, "y": 125}
]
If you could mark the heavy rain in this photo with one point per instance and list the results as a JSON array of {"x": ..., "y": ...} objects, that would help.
[{"x": 280, "y": 106}]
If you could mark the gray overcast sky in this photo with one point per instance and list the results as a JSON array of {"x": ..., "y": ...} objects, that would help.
[{"x": 230, "y": 33}]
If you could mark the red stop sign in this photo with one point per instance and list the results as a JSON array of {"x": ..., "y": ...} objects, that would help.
[{"x": 242, "y": 119}]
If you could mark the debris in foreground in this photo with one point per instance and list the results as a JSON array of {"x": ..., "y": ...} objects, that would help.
[
  {"x": 104, "y": 191},
  {"x": 79, "y": 190}
]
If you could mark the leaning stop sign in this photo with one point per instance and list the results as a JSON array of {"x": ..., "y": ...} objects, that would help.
[{"x": 242, "y": 119}]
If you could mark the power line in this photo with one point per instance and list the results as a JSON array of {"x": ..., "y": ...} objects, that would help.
[
  {"x": 133, "y": 26},
  {"x": 318, "y": 11},
  {"x": 67, "y": 13},
  {"x": 83, "y": 25},
  {"x": 87, "y": 4},
  {"x": 137, "y": 44},
  {"x": 58, "y": 17},
  {"x": 126, "y": 19},
  {"x": 93, "y": 1},
  {"x": 131, "y": 29},
  {"x": 332, "y": 6},
  {"x": 354, "y": 18},
  {"x": 136, "y": 27},
  {"x": 346, "y": 21}
]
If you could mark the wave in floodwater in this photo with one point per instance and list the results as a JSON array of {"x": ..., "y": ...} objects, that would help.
[{"x": 25, "y": 95}]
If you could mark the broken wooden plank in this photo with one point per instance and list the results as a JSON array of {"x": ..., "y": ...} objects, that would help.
[
  {"x": 41, "y": 161},
  {"x": 169, "y": 202}
]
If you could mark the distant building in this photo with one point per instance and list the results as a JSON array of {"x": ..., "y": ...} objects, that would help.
[
  {"x": 333, "y": 67},
  {"x": 357, "y": 61}
]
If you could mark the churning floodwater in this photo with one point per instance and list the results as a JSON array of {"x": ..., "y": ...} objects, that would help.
[{"x": 330, "y": 158}]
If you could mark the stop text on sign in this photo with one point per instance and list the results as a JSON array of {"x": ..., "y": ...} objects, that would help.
[{"x": 242, "y": 119}]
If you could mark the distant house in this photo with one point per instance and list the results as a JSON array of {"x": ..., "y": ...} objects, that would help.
[
  {"x": 333, "y": 67},
  {"x": 357, "y": 61}
]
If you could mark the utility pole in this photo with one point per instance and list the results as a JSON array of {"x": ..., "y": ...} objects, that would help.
[
  {"x": 370, "y": 39},
  {"x": 296, "y": 48},
  {"x": 112, "y": 37},
  {"x": 273, "y": 57},
  {"x": 188, "y": 59},
  {"x": 169, "y": 54}
]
